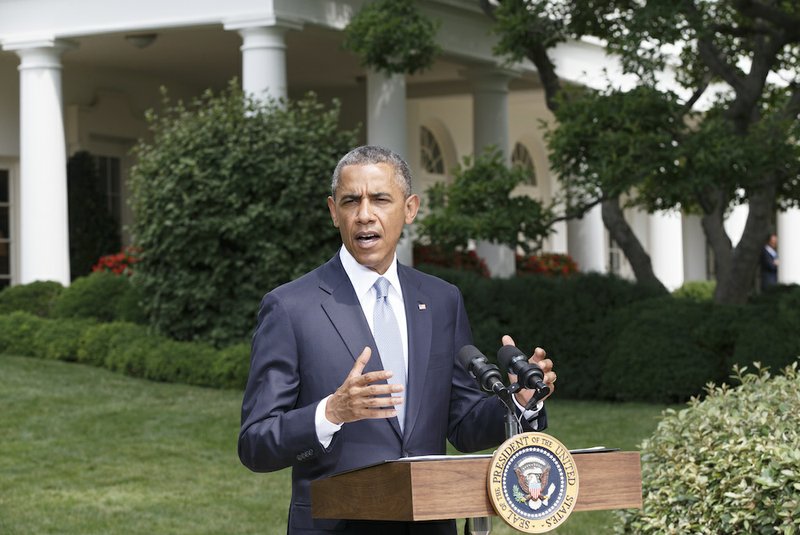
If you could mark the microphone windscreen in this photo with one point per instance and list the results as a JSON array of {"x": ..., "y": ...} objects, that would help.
[
  {"x": 466, "y": 354},
  {"x": 506, "y": 354}
]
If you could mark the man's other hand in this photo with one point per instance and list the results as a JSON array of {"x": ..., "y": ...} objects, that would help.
[{"x": 539, "y": 358}]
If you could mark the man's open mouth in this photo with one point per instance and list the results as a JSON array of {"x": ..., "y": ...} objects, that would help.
[{"x": 366, "y": 238}]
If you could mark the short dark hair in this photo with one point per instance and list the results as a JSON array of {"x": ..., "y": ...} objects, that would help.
[{"x": 373, "y": 154}]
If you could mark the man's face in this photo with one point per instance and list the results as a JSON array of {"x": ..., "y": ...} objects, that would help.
[
  {"x": 370, "y": 210},
  {"x": 773, "y": 241}
]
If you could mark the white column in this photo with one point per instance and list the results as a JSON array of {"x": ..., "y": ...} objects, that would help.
[
  {"x": 695, "y": 264},
  {"x": 586, "y": 239},
  {"x": 263, "y": 56},
  {"x": 44, "y": 225},
  {"x": 386, "y": 127},
  {"x": 789, "y": 246},
  {"x": 490, "y": 127},
  {"x": 666, "y": 248}
]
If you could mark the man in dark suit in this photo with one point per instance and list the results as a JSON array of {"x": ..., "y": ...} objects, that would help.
[
  {"x": 769, "y": 262},
  {"x": 322, "y": 398}
]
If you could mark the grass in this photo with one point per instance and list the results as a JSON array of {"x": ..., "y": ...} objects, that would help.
[{"x": 84, "y": 451}]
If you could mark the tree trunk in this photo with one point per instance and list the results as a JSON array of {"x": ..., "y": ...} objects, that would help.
[
  {"x": 736, "y": 273},
  {"x": 623, "y": 235}
]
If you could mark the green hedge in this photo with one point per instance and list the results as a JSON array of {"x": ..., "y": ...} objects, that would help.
[
  {"x": 568, "y": 316},
  {"x": 124, "y": 347},
  {"x": 728, "y": 464},
  {"x": 37, "y": 298},
  {"x": 616, "y": 340},
  {"x": 103, "y": 296}
]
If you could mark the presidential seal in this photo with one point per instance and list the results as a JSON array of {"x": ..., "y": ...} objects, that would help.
[{"x": 533, "y": 483}]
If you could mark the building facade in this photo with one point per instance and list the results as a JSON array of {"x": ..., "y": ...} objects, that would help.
[{"x": 79, "y": 76}]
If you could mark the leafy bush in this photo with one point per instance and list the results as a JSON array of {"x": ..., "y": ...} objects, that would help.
[
  {"x": 696, "y": 290},
  {"x": 101, "y": 295},
  {"x": 393, "y": 36},
  {"x": 119, "y": 263},
  {"x": 60, "y": 339},
  {"x": 231, "y": 366},
  {"x": 101, "y": 340},
  {"x": 566, "y": 316},
  {"x": 727, "y": 464},
  {"x": 221, "y": 197},
  {"x": 460, "y": 260},
  {"x": 18, "y": 333},
  {"x": 767, "y": 329},
  {"x": 37, "y": 298},
  {"x": 659, "y": 352},
  {"x": 552, "y": 264},
  {"x": 478, "y": 205}
]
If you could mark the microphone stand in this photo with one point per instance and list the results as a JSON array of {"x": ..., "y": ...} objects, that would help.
[{"x": 482, "y": 525}]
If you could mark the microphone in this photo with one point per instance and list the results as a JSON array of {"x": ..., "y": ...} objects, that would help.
[
  {"x": 529, "y": 375},
  {"x": 488, "y": 375}
]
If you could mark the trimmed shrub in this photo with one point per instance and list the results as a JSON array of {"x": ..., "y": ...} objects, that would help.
[
  {"x": 101, "y": 340},
  {"x": 36, "y": 298},
  {"x": 18, "y": 333},
  {"x": 660, "y": 353},
  {"x": 568, "y": 316},
  {"x": 231, "y": 366},
  {"x": 160, "y": 359},
  {"x": 102, "y": 296},
  {"x": 60, "y": 339},
  {"x": 696, "y": 290},
  {"x": 221, "y": 197},
  {"x": 727, "y": 464},
  {"x": 769, "y": 329}
]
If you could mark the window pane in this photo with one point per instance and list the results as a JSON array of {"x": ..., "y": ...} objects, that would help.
[
  {"x": 4, "y": 234},
  {"x": 5, "y": 261},
  {"x": 3, "y": 185},
  {"x": 431, "y": 152},
  {"x": 5, "y": 283}
]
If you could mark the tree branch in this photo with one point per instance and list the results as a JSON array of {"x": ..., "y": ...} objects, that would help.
[{"x": 778, "y": 17}]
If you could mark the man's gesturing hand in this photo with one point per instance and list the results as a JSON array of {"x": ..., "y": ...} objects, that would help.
[
  {"x": 358, "y": 398},
  {"x": 539, "y": 358}
]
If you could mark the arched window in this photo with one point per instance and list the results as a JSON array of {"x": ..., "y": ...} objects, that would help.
[
  {"x": 521, "y": 157},
  {"x": 430, "y": 152}
]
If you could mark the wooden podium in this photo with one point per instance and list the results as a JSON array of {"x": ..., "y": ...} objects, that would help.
[{"x": 456, "y": 488}]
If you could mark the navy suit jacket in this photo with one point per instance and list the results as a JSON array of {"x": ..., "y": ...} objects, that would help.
[{"x": 309, "y": 333}]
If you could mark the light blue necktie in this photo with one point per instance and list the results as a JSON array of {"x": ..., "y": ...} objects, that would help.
[{"x": 390, "y": 345}]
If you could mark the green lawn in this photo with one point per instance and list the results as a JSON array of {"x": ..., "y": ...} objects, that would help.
[{"x": 84, "y": 450}]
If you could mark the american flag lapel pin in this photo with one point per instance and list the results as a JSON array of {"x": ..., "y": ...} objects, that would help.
[{"x": 422, "y": 306}]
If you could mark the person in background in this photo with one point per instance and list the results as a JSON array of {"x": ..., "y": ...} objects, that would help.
[{"x": 769, "y": 262}]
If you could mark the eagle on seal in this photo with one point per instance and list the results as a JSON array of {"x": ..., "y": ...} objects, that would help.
[{"x": 533, "y": 483}]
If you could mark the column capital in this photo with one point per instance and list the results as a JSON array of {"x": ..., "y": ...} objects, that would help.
[
  {"x": 490, "y": 77},
  {"x": 266, "y": 22},
  {"x": 39, "y": 52}
]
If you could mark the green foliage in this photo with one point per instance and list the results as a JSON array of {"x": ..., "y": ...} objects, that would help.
[
  {"x": 103, "y": 296},
  {"x": 93, "y": 232},
  {"x": 60, "y": 339},
  {"x": 18, "y": 333},
  {"x": 566, "y": 316},
  {"x": 36, "y": 298},
  {"x": 393, "y": 36},
  {"x": 659, "y": 352},
  {"x": 728, "y": 464},
  {"x": 231, "y": 366},
  {"x": 100, "y": 341},
  {"x": 478, "y": 205},
  {"x": 221, "y": 197},
  {"x": 696, "y": 290}
]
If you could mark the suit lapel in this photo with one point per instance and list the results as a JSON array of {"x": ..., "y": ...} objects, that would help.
[
  {"x": 345, "y": 313},
  {"x": 420, "y": 325}
]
